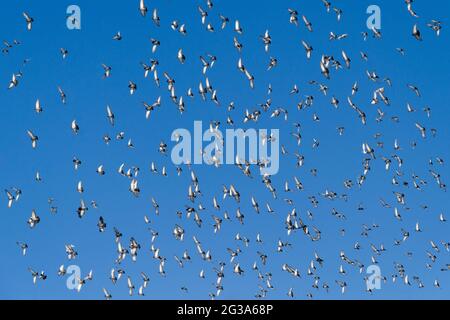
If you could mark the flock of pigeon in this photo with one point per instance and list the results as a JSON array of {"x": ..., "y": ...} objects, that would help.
[{"x": 225, "y": 208}]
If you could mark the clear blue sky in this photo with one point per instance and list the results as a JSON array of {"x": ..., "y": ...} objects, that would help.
[{"x": 426, "y": 64}]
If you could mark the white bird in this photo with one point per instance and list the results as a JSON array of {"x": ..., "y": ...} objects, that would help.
[
  {"x": 155, "y": 17},
  {"x": 308, "y": 49},
  {"x": 34, "y": 219},
  {"x": 142, "y": 8},
  {"x": 75, "y": 127},
  {"x": 237, "y": 27},
  {"x": 181, "y": 56},
  {"x": 416, "y": 33},
  {"x": 62, "y": 270},
  {"x": 110, "y": 115},
  {"x": 117, "y": 36},
  {"x": 38, "y": 107},
  {"x": 29, "y": 20},
  {"x": 107, "y": 295},
  {"x": 23, "y": 247},
  {"x": 14, "y": 82},
  {"x": 100, "y": 170}
]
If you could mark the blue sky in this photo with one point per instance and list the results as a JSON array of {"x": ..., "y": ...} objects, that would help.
[{"x": 426, "y": 64}]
